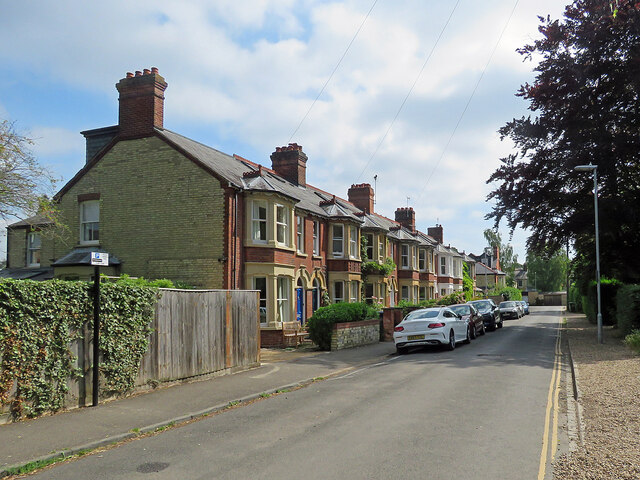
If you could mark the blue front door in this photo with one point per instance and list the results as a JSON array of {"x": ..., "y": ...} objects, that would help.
[{"x": 300, "y": 304}]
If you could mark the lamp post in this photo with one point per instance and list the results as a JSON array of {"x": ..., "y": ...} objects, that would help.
[{"x": 594, "y": 169}]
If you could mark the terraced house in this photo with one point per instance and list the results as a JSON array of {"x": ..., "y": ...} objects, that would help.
[{"x": 165, "y": 206}]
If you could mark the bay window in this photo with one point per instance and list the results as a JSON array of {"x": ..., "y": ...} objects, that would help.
[
  {"x": 353, "y": 294},
  {"x": 421, "y": 259},
  {"x": 404, "y": 256},
  {"x": 353, "y": 242},
  {"x": 338, "y": 292},
  {"x": 338, "y": 240},
  {"x": 260, "y": 284},
  {"x": 283, "y": 299},
  {"x": 316, "y": 237},
  {"x": 300, "y": 233},
  {"x": 259, "y": 221},
  {"x": 282, "y": 225},
  {"x": 369, "y": 237}
]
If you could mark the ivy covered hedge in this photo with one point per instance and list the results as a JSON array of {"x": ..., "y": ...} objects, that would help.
[{"x": 38, "y": 322}]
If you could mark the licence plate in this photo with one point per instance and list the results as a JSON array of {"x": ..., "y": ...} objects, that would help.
[{"x": 415, "y": 337}]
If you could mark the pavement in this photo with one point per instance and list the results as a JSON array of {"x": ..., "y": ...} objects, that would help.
[{"x": 81, "y": 429}]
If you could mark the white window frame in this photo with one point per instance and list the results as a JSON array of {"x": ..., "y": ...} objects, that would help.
[
  {"x": 336, "y": 298},
  {"x": 353, "y": 292},
  {"x": 403, "y": 289},
  {"x": 283, "y": 293},
  {"x": 34, "y": 245},
  {"x": 257, "y": 221},
  {"x": 381, "y": 245},
  {"x": 84, "y": 222},
  {"x": 262, "y": 301},
  {"x": 300, "y": 233},
  {"x": 353, "y": 242},
  {"x": 334, "y": 238},
  {"x": 404, "y": 256},
  {"x": 414, "y": 261},
  {"x": 422, "y": 259},
  {"x": 422, "y": 294},
  {"x": 282, "y": 226},
  {"x": 316, "y": 237},
  {"x": 370, "y": 246},
  {"x": 443, "y": 265}
]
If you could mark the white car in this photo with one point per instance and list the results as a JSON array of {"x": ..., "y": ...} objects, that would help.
[{"x": 430, "y": 326}]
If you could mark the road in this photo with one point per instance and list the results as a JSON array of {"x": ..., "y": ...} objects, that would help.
[{"x": 478, "y": 412}]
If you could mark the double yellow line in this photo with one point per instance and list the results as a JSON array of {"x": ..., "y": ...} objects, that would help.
[{"x": 552, "y": 403}]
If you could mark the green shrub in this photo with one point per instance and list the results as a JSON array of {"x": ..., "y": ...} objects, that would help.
[
  {"x": 320, "y": 325},
  {"x": 39, "y": 320},
  {"x": 575, "y": 297},
  {"x": 628, "y": 308},
  {"x": 608, "y": 290},
  {"x": 633, "y": 341},
  {"x": 508, "y": 293},
  {"x": 452, "y": 299}
]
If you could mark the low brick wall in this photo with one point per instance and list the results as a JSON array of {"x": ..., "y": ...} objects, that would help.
[
  {"x": 391, "y": 317},
  {"x": 355, "y": 334}
]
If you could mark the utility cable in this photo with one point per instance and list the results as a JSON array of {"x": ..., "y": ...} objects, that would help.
[
  {"x": 334, "y": 70},
  {"x": 410, "y": 90},
  {"x": 469, "y": 100}
]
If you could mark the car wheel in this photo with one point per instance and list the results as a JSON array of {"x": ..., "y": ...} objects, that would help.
[
  {"x": 483, "y": 329},
  {"x": 500, "y": 324},
  {"x": 452, "y": 341},
  {"x": 467, "y": 340},
  {"x": 402, "y": 350},
  {"x": 472, "y": 329}
]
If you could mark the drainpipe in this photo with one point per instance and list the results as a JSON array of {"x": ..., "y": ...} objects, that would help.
[{"x": 235, "y": 238}]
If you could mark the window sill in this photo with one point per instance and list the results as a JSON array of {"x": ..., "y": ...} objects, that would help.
[
  {"x": 317, "y": 257},
  {"x": 89, "y": 244},
  {"x": 301, "y": 254}
]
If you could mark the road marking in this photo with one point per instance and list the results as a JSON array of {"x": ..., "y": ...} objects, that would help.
[
  {"x": 273, "y": 369},
  {"x": 552, "y": 402}
]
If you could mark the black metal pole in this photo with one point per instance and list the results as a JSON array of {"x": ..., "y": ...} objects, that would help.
[{"x": 96, "y": 332}]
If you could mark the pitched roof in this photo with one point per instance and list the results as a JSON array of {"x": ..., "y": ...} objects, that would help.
[{"x": 34, "y": 221}]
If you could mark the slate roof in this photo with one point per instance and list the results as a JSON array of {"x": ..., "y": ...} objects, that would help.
[
  {"x": 31, "y": 222},
  {"x": 27, "y": 273},
  {"x": 481, "y": 269},
  {"x": 82, "y": 256}
]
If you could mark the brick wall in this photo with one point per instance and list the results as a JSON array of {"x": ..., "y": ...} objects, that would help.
[
  {"x": 16, "y": 247},
  {"x": 355, "y": 334},
  {"x": 160, "y": 214}
]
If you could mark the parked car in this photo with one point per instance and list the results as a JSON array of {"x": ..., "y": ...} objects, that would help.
[
  {"x": 525, "y": 306},
  {"x": 510, "y": 309},
  {"x": 470, "y": 315},
  {"x": 430, "y": 326},
  {"x": 489, "y": 312}
]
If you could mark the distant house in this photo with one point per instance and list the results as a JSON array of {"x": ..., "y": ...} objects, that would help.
[
  {"x": 166, "y": 206},
  {"x": 521, "y": 279},
  {"x": 488, "y": 278}
]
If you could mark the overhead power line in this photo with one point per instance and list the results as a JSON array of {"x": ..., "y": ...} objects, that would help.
[
  {"x": 455, "y": 129},
  {"x": 334, "y": 70},
  {"x": 410, "y": 90}
]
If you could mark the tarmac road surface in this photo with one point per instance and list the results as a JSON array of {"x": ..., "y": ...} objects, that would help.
[{"x": 481, "y": 411}]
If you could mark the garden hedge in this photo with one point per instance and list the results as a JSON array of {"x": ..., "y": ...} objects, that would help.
[{"x": 628, "y": 308}]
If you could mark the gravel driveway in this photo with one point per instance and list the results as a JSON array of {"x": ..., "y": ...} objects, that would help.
[{"x": 609, "y": 393}]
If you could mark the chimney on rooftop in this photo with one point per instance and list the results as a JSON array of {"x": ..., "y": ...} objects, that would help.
[
  {"x": 406, "y": 217},
  {"x": 290, "y": 162},
  {"x": 141, "y": 103},
  {"x": 361, "y": 195},
  {"x": 437, "y": 233}
]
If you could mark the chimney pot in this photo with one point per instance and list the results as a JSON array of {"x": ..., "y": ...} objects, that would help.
[
  {"x": 129, "y": 74},
  {"x": 146, "y": 71},
  {"x": 138, "y": 73},
  {"x": 154, "y": 70}
]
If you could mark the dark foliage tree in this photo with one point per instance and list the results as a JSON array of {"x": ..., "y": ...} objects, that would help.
[{"x": 586, "y": 105}]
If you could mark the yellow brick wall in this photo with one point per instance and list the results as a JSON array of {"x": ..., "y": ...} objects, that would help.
[
  {"x": 17, "y": 247},
  {"x": 160, "y": 214}
]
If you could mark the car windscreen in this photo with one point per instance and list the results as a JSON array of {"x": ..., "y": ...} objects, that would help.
[
  {"x": 482, "y": 306},
  {"x": 507, "y": 304},
  {"x": 461, "y": 310},
  {"x": 418, "y": 314}
]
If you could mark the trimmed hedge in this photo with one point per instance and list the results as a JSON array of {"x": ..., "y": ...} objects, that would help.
[
  {"x": 628, "y": 308},
  {"x": 320, "y": 325},
  {"x": 39, "y": 320}
]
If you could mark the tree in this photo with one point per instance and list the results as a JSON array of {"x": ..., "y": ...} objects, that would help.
[
  {"x": 508, "y": 260},
  {"x": 547, "y": 272},
  {"x": 586, "y": 98},
  {"x": 23, "y": 181}
]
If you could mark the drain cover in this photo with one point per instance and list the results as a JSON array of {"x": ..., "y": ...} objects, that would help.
[{"x": 152, "y": 467}]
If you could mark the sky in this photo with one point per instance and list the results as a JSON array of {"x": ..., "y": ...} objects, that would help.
[{"x": 243, "y": 75}]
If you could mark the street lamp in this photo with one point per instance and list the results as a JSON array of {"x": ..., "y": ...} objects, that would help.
[{"x": 594, "y": 169}]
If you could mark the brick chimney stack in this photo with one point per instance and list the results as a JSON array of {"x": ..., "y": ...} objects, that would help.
[
  {"x": 437, "y": 233},
  {"x": 406, "y": 217},
  {"x": 496, "y": 257},
  {"x": 141, "y": 103},
  {"x": 361, "y": 195},
  {"x": 290, "y": 162}
]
